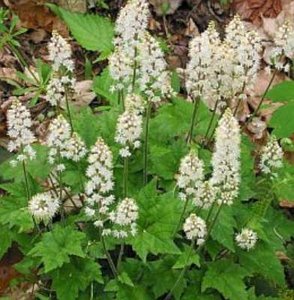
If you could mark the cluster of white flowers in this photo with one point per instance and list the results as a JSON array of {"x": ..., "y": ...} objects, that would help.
[
  {"x": 125, "y": 215},
  {"x": 60, "y": 52},
  {"x": 244, "y": 62},
  {"x": 100, "y": 183},
  {"x": 219, "y": 71},
  {"x": 128, "y": 131},
  {"x": 19, "y": 123},
  {"x": 138, "y": 59},
  {"x": 190, "y": 177},
  {"x": 200, "y": 73},
  {"x": 206, "y": 195},
  {"x": 284, "y": 46},
  {"x": 129, "y": 27},
  {"x": 153, "y": 77},
  {"x": 62, "y": 142},
  {"x": 226, "y": 158},
  {"x": 195, "y": 229},
  {"x": 43, "y": 206},
  {"x": 271, "y": 156},
  {"x": 56, "y": 89},
  {"x": 134, "y": 102},
  {"x": 61, "y": 81},
  {"x": 246, "y": 239}
]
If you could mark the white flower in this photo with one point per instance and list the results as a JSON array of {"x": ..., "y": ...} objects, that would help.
[
  {"x": 100, "y": 184},
  {"x": 126, "y": 212},
  {"x": 246, "y": 239},
  {"x": 43, "y": 206},
  {"x": 100, "y": 169},
  {"x": 74, "y": 148},
  {"x": 60, "y": 53},
  {"x": 226, "y": 158},
  {"x": 271, "y": 156},
  {"x": 19, "y": 123},
  {"x": 284, "y": 41},
  {"x": 125, "y": 215},
  {"x": 135, "y": 103},
  {"x": 218, "y": 72},
  {"x": 195, "y": 229},
  {"x": 57, "y": 88},
  {"x": 153, "y": 77},
  {"x": 129, "y": 27},
  {"x": 128, "y": 131},
  {"x": 131, "y": 22},
  {"x": 200, "y": 73},
  {"x": 206, "y": 195},
  {"x": 190, "y": 178}
]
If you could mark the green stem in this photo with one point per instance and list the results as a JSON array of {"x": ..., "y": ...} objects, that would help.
[
  {"x": 125, "y": 176},
  {"x": 263, "y": 96},
  {"x": 180, "y": 277},
  {"x": 145, "y": 171},
  {"x": 237, "y": 106},
  {"x": 181, "y": 217},
  {"x": 68, "y": 110},
  {"x": 195, "y": 109},
  {"x": 134, "y": 70},
  {"x": 108, "y": 257},
  {"x": 121, "y": 253},
  {"x": 211, "y": 120}
]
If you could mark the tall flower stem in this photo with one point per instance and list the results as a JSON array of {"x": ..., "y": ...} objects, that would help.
[
  {"x": 134, "y": 70},
  {"x": 181, "y": 217},
  {"x": 120, "y": 255},
  {"x": 108, "y": 257},
  {"x": 145, "y": 167},
  {"x": 211, "y": 121},
  {"x": 28, "y": 191},
  {"x": 125, "y": 176},
  {"x": 184, "y": 270},
  {"x": 195, "y": 109},
  {"x": 68, "y": 110},
  {"x": 263, "y": 96}
]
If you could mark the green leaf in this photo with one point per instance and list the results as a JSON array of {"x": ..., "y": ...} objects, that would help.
[
  {"x": 165, "y": 159},
  {"x": 187, "y": 259},
  {"x": 161, "y": 278},
  {"x": 14, "y": 212},
  {"x": 282, "y": 121},
  {"x": 137, "y": 292},
  {"x": 92, "y": 32},
  {"x": 281, "y": 92},
  {"x": 125, "y": 279},
  {"x": 5, "y": 240},
  {"x": 33, "y": 166},
  {"x": 226, "y": 277},
  {"x": 102, "y": 85},
  {"x": 264, "y": 261},
  {"x": 223, "y": 230},
  {"x": 56, "y": 247},
  {"x": 247, "y": 170},
  {"x": 86, "y": 125},
  {"x": 74, "y": 277},
  {"x": 157, "y": 221}
]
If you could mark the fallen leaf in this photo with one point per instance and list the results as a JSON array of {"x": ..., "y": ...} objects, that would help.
[
  {"x": 253, "y": 10},
  {"x": 74, "y": 5},
  {"x": 34, "y": 14},
  {"x": 84, "y": 94},
  {"x": 192, "y": 29},
  {"x": 286, "y": 204}
]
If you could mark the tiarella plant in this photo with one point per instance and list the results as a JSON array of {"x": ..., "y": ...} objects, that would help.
[{"x": 154, "y": 197}]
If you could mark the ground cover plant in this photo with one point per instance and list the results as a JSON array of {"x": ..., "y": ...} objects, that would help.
[{"x": 158, "y": 192}]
